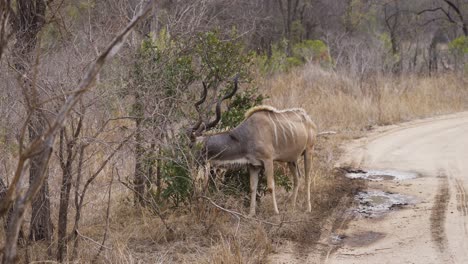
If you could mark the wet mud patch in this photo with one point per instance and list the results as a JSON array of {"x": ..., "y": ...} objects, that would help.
[
  {"x": 376, "y": 203},
  {"x": 380, "y": 175},
  {"x": 438, "y": 213},
  {"x": 363, "y": 239},
  {"x": 330, "y": 212}
]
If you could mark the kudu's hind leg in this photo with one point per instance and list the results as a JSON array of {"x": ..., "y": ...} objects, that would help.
[
  {"x": 253, "y": 171},
  {"x": 307, "y": 168},
  {"x": 295, "y": 172},
  {"x": 269, "y": 173}
]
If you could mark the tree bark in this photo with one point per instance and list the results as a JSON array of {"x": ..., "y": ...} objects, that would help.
[
  {"x": 392, "y": 22},
  {"x": 433, "y": 56},
  {"x": 69, "y": 147},
  {"x": 139, "y": 179},
  {"x": 41, "y": 224},
  {"x": 27, "y": 23}
]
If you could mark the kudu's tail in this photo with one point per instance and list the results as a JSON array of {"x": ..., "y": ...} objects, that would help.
[{"x": 325, "y": 133}]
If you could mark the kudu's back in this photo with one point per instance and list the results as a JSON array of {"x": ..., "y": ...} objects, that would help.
[{"x": 281, "y": 135}]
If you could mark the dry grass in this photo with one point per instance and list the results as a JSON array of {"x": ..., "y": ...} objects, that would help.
[
  {"x": 335, "y": 101},
  {"x": 204, "y": 234}
]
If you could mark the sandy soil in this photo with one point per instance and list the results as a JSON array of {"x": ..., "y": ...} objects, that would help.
[{"x": 435, "y": 228}]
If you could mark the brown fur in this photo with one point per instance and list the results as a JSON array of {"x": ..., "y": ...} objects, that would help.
[{"x": 266, "y": 135}]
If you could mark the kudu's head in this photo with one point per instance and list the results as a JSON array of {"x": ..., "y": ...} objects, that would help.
[{"x": 203, "y": 123}]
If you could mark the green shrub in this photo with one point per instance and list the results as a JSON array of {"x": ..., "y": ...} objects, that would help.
[
  {"x": 236, "y": 109},
  {"x": 459, "y": 46},
  {"x": 177, "y": 181},
  {"x": 302, "y": 52},
  {"x": 311, "y": 50},
  {"x": 162, "y": 73}
]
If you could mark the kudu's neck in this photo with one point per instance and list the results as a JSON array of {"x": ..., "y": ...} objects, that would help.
[{"x": 223, "y": 146}]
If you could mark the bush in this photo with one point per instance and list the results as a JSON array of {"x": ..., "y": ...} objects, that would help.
[
  {"x": 305, "y": 51},
  {"x": 459, "y": 45},
  {"x": 312, "y": 50},
  {"x": 459, "y": 48},
  {"x": 164, "y": 70},
  {"x": 178, "y": 183}
]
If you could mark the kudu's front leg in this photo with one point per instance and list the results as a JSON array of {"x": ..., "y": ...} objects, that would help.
[
  {"x": 254, "y": 174},
  {"x": 269, "y": 173}
]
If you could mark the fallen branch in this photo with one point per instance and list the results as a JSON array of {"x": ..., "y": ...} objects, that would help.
[
  {"x": 240, "y": 215},
  {"x": 92, "y": 240}
]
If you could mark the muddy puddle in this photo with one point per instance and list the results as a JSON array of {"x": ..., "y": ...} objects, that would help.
[
  {"x": 376, "y": 203},
  {"x": 380, "y": 175},
  {"x": 357, "y": 239}
]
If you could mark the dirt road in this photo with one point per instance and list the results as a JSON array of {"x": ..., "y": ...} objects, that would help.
[{"x": 432, "y": 229}]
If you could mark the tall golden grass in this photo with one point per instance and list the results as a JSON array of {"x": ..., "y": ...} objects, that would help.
[{"x": 336, "y": 101}]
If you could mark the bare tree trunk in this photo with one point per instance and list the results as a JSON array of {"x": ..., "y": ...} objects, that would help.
[
  {"x": 21, "y": 203},
  {"x": 3, "y": 190},
  {"x": 78, "y": 204},
  {"x": 67, "y": 177},
  {"x": 5, "y": 6},
  {"x": 63, "y": 211},
  {"x": 139, "y": 179},
  {"x": 41, "y": 224},
  {"x": 27, "y": 23},
  {"x": 393, "y": 23},
  {"x": 433, "y": 56}
]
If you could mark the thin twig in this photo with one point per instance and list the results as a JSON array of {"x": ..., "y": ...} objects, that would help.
[
  {"x": 246, "y": 216},
  {"x": 154, "y": 206},
  {"x": 92, "y": 240}
]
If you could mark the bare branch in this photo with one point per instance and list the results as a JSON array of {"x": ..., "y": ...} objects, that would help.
[
  {"x": 460, "y": 16},
  {"x": 220, "y": 101},
  {"x": 237, "y": 214},
  {"x": 92, "y": 240},
  {"x": 43, "y": 145},
  {"x": 156, "y": 209},
  {"x": 447, "y": 14}
]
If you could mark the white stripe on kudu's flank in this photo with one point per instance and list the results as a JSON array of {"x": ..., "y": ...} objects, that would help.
[
  {"x": 283, "y": 129},
  {"x": 291, "y": 129},
  {"x": 300, "y": 119},
  {"x": 274, "y": 128}
]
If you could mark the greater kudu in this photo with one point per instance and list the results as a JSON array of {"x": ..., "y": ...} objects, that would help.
[{"x": 266, "y": 135}]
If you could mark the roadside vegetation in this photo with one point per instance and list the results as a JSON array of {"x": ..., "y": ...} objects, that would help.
[{"x": 116, "y": 181}]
